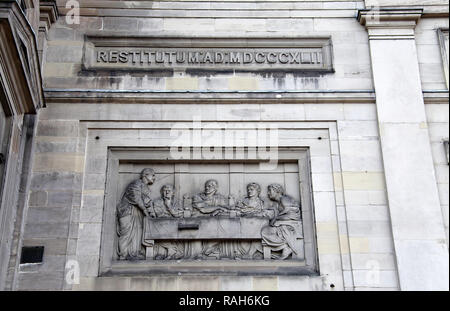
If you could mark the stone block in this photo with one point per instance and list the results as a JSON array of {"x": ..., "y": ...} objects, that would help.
[
  {"x": 369, "y": 229},
  {"x": 58, "y": 33},
  {"x": 197, "y": 283},
  {"x": 120, "y": 24},
  {"x": 322, "y": 182},
  {"x": 239, "y": 112},
  {"x": 344, "y": 244},
  {"x": 377, "y": 197},
  {"x": 265, "y": 283},
  {"x": 89, "y": 233},
  {"x": 364, "y": 155},
  {"x": 437, "y": 112},
  {"x": 236, "y": 283},
  {"x": 64, "y": 53},
  {"x": 363, "y": 181},
  {"x": 367, "y": 212},
  {"x": 112, "y": 284},
  {"x": 357, "y": 130},
  {"x": 325, "y": 204},
  {"x": 182, "y": 84},
  {"x": 244, "y": 25},
  {"x": 96, "y": 165},
  {"x": 433, "y": 276},
  {"x": 282, "y": 112},
  {"x": 178, "y": 112},
  {"x": 370, "y": 261},
  {"x": 37, "y": 198},
  {"x": 337, "y": 25},
  {"x": 60, "y": 198},
  {"x": 57, "y": 128},
  {"x": 294, "y": 283},
  {"x": 44, "y": 162},
  {"x": 41, "y": 281},
  {"x": 243, "y": 84},
  {"x": 150, "y": 25},
  {"x": 85, "y": 284},
  {"x": 47, "y": 215},
  {"x": 88, "y": 265},
  {"x": 71, "y": 246},
  {"x": 189, "y": 25},
  {"x": 282, "y": 25},
  {"x": 155, "y": 283},
  {"x": 92, "y": 213},
  {"x": 327, "y": 246},
  {"x": 375, "y": 278},
  {"x": 46, "y": 230},
  {"x": 58, "y": 69},
  {"x": 324, "y": 112},
  {"x": 360, "y": 112},
  {"x": 43, "y": 146}
]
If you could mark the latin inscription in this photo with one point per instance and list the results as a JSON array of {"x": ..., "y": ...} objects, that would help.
[
  {"x": 247, "y": 54},
  {"x": 147, "y": 57}
]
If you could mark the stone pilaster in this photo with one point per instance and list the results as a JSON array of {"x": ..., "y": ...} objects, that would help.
[{"x": 416, "y": 217}]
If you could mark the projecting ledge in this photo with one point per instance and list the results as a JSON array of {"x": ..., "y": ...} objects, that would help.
[{"x": 222, "y": 267}]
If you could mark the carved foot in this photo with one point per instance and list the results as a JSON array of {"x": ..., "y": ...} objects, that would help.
[{"x": 286, "y": 253}]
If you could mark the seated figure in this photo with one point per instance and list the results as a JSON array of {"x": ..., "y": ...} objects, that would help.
[
  {"x": 253, "y": 205},
  {"x": 210, "y": 202},
  {"x": 168, "y": 207},
  {"x": 280, "y": 235}
]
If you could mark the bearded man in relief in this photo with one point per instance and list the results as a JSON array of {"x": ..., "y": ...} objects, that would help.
[{"x": 130, "y": 213}]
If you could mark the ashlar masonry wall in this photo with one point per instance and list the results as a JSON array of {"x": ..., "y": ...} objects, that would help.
[{"x": 355, "y": 243}]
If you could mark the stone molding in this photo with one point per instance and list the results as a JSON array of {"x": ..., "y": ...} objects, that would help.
[
  {"x": 21, "y": 75},
  {"x": 390, "y": 23},
  {"x": 48, "y": 14}
]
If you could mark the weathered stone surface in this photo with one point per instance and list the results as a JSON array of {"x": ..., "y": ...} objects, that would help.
[{"x": 373, "y": 130}]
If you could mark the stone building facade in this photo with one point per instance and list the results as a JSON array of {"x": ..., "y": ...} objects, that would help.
[{"x": 353, "y": 95}]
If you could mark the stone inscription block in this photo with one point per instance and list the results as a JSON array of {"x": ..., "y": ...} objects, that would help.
[{"x": 245, "y": 54}]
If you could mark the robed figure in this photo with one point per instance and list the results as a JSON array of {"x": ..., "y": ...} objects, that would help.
[
  {"x": 280, "y": 235},
  {"x": 130, "y": 213}
]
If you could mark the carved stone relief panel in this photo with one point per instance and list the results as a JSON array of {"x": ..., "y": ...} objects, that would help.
[
  {"x": 202, "y": 216},
  {"x": 165, "y": 211}
]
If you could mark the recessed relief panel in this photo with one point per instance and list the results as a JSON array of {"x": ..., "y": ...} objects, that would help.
[
  {"x": 166, "y": 211},
  {"x": 208, "y": 213}
]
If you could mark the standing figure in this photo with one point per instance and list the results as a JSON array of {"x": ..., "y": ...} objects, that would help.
[
  {"x": 280, "y": 235},
  {"x": 168, "y": 207},
  {"x": 130, "y": 213}
]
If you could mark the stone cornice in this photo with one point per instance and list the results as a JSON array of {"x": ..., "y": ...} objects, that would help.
[
  {"x": 48, "y": 14},
  {"x": 390, "y": 23}
]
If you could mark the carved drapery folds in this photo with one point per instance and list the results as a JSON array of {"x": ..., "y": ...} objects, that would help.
[{"x": 207, "y": 225}]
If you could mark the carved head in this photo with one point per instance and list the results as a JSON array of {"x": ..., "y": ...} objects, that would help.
[
  {"x": 211, "y": 186},
  {"x": 253, "y": 190},
  {"x": 167, "y": 191},
  {"x": 148, "y": 176},
  {"x": 275, "y": 191}
]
